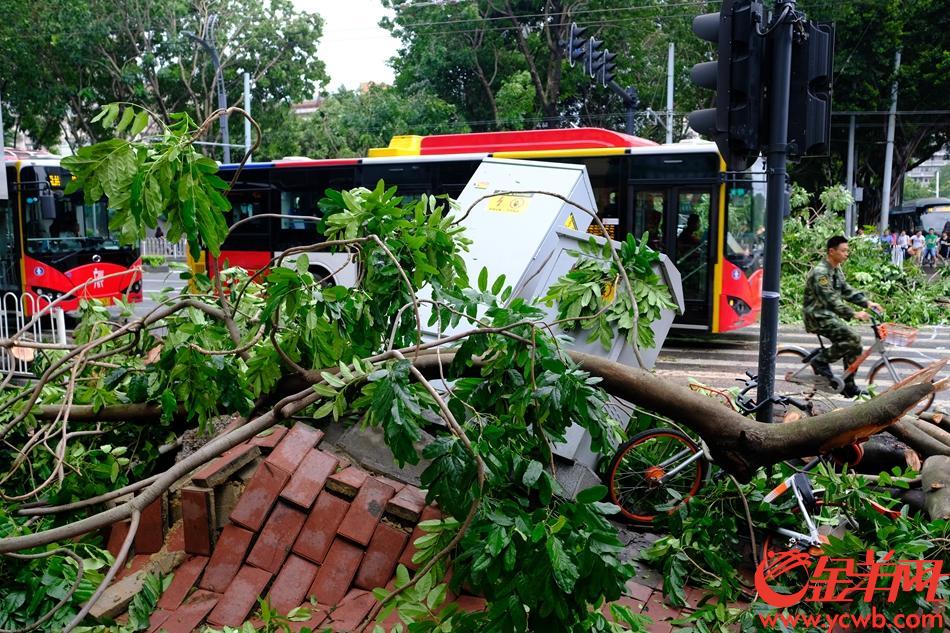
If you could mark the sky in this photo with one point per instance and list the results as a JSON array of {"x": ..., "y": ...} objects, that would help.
[{"x": 353, "y": 47}]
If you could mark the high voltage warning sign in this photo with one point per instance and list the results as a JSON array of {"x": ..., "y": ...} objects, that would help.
[{"x": 508, "y": 203}]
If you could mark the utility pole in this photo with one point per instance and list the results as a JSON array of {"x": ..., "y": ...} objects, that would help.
[
  {"x": 669, "y": 96},
  {"x": 849, "y": 212},
  {"x": 889, "y": 152},
  {"x": 775, "y": 202},
  {"x": 247, "y": 116},
  {"x": 3, "y": 169},
  {"x": 208, "y": 44}
]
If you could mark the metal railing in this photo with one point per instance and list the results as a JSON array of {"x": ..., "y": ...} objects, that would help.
[
  {"x": 161, "y": 246},
  {"x": 15, "y": 312}
]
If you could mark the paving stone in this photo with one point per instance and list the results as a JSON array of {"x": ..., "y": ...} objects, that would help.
[
  {"x": 259, "y": 496},
  {"x": 471, "y": 604},
  {"x": 188, "y": 616},
  {"x": 227, "y": 558},
  {"x": 308, "y": 480},
  {"x": 294, "y": 446},
  {"x": 649, "y": 577},
  {"x": 407, "y": 504},
  {"x": 365, "y": 511},
  {"x": 379, "y": 562},
  {"x": 117, "y": 533},
  {"x": 387, "y": 625},
  {"x": 197, "y": 517},
  {"x": 658, "y": 610},
  {"x": 292, "y": 583},
  {"x": 392, "y": 483},
  {"x": 186, "y": 575},
  {"x": 132, "y": 565},
  {"x": 348, "y": 481},
  {"x": 637, "y": 591},
  {"x": 240, "y": 598},
  {"x": 268, "y": 438},
  {"x": 278, "y": 536},
  {"x": 319, "y": 529},
  {"x": 150, "y": 536},
  {"x": 218, "y": 470},
  {"x": 351, "y": 611},
  {"x": 429, "y": 513},
  {"x": 117, "y": 596},
  {"x": 337, "y": 571},
  {"x": 226, "y": 496}
]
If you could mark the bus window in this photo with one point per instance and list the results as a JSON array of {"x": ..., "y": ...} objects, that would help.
[
  {"x": 9, "y": 253},
  {"x": 58, "y": 223},
  {"x": 692, "y": 239},
  {"x": 649, "y": 206},
  {"x": 605, "y": 180},
  {"x": 745, "y": 237}
]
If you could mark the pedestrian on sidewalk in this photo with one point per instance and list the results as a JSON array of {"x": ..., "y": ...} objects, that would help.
[
  {"x": 887, "y": 241},
  {"x": 930, "y": 248},
  {"x": 944, "y": 252},
  {"x": 917, "y": 247},
  {"x": 897, "y": 255}
]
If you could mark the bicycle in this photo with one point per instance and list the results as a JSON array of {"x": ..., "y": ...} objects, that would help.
[{"x": 793, "y": 368}]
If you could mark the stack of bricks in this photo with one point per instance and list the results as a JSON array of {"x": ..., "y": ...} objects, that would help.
[{"x": 307, "y": 528}]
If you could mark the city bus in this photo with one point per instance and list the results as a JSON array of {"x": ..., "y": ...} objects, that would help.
[
  {"x": 708, "y": 221},
  {"x": 50, "y": 242}
]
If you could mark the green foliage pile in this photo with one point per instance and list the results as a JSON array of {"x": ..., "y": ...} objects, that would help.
[
  {"x": 708, "y": 541},
  {"x": 907, "y": 294}
]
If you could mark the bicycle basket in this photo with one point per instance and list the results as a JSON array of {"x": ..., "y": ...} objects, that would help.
[{"x": 897, "y": 334}]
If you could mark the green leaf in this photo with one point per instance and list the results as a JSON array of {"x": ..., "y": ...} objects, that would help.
[
  {"x": 565, "y": 572},
  {"x": 592, "y": 494},
  {"x": 141, "y": 121},
  {"x": 483, "y": 279},
  {"x": 127, "y": 115}
]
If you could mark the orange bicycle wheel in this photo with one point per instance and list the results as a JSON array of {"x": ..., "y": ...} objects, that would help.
[
  {"x": 881, "y": 378},
  {"x": 652, "y": 473}
]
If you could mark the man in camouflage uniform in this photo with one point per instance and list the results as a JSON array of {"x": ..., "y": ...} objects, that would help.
[{"x": 826, "y": 312}]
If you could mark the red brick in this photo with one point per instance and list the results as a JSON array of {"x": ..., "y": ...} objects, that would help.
[
  {"x": 227, "y": 558},
  {"x": 660, "y": 627},
  {"x": 197, "y": 518},
  {"x": 185, "y": 577},
  {"x": 318, "y": 613},
  {"x": 157, "y": 619},
  {"x": 352, "y": 610},
  {"x": 218, "y": 470},
  {"x": 387, "y": 625},
  {"x": 407, "y": 504},
  {"x": 151, "y": 533},
  {"x": 175, "y": 540},
  {"x": 660, "y": 612},
  {"x": 428, "y": 514},
  {"x": 292, "y": 583},
  {"x": 365, "y": 511},
  {"x": 277, "y": 538},
  {"x": 259, "y": 496},
  {"x": 470, "y": 604},
  {"x": 117, "y": 533},
  {"x": 132, "y": 565},
  {"x": 188, "y": 616},
  {"x": 294, "y": 447},
  {"x": 379, "y": 562},
  {"x": 392, "y": 483},
  {"x": 268, "y": 438},
  {"x": 307, "y": 481},
  {"x": 319, "y": 529},
  {"x": 240, "y": 598},
  {"x": 336, "y": 573},
  {"x": 348, "y": 481}
]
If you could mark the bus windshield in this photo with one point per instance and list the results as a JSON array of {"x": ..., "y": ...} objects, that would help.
[
  {"x": 57, "y": 223},
  {"x": 745, "y": 221}
]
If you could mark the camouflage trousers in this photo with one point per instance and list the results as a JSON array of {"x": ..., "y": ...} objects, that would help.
[{"x": 845, "y": 343}]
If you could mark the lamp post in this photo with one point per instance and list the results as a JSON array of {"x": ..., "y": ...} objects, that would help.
[{"x": 208, "y": 44}]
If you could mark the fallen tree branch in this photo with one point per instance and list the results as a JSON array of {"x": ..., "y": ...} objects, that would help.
[{"x": 918, "y": 440}]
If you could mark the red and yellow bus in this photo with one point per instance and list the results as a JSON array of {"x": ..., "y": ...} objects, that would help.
[
  {"x": 710, "y": 222},
  {"x": 51, "y": 243}
]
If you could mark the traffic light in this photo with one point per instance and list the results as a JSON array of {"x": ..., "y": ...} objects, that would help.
[
  {"x": 576, "y": 45},
  {"x": 809, "y": 108},
  {"x": 740, "y": 115},
  {"x": 593, "y": 55},
  {"x": 607, "y": 68}
]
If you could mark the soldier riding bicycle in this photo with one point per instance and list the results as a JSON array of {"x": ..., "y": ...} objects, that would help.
[{"x": 826, "y": 313}]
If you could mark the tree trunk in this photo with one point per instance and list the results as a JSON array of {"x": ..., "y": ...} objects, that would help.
[
  {"x": 918, "y": 440},
  {"x": 883, "y": 452},
  {"x": 936, "y": 486},
  {"x": 932, "y": 430}
]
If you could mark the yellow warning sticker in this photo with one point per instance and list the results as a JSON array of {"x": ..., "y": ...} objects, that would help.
[
  {"x": 481, "y": 184},
  {"x": 571, "y": 224},
  {"x": 508, "y": 204}
]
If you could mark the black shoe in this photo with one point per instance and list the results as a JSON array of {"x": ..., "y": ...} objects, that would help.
[
  {"x": 822, "y": 369},
  {"x": 851, "y": 390}
]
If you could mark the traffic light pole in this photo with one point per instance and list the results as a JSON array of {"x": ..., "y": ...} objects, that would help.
[
  {"x": 775, "y": 205},
  {"x": 631, "y": 101}
]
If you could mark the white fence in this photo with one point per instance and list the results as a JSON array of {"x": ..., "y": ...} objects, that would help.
[
  {"x": 15, "y": 312},
  {"x": 161, "y": 246}
]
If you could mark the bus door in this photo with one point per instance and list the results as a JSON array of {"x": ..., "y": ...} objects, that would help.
[
  {"x": 10, "y": 237},
  {"x": 679, "y": 223}
]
